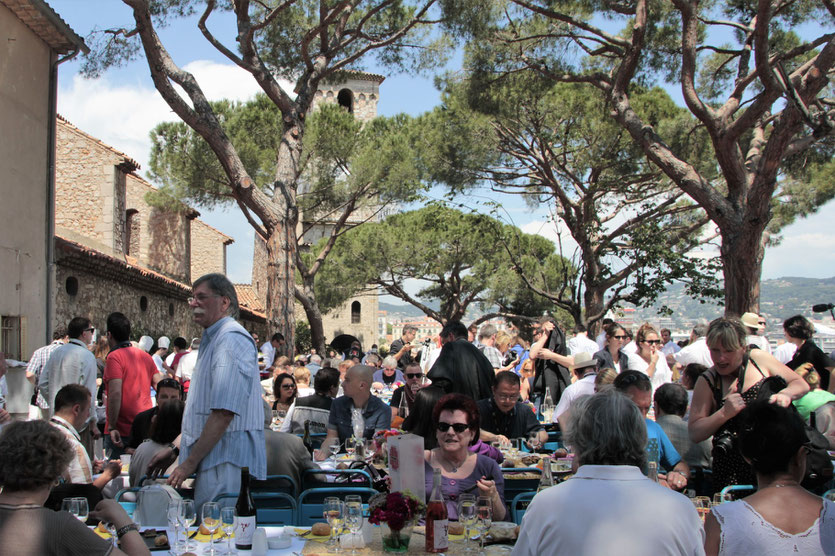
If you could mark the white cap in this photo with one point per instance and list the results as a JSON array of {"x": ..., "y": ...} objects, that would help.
[
  {"x": 163, "y": 342},
  {"x": 145, "y": 343}
]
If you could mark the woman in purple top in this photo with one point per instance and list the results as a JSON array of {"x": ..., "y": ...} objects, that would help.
[{"x": 456, "y": 421}]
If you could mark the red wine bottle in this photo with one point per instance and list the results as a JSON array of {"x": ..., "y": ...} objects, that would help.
[
  {"x": 437, "y": 519},
  {"x": 244, "y": 514}
]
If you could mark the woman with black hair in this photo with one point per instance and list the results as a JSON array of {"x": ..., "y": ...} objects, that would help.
[
  {"x": 781, "y": 517},
  {"x": 799, "y": 331}
]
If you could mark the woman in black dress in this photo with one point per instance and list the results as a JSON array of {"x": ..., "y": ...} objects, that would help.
[
  {"x": 799, "y": 331},
  {"x": 726, "y": 388}
]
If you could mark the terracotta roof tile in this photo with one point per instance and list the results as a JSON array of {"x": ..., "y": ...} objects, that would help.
[
  {"x": 47, "y": 25},
  {"x": 248, "y": 299}
]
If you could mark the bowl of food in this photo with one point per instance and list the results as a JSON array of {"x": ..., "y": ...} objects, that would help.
[{"x": 503, "y": 531}]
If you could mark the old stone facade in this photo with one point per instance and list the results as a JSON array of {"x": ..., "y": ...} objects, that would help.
[
  {"x": 116, "y": 252},
  {"x": 34, "y": 37}
]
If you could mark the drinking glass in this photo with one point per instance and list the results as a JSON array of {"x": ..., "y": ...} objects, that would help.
[
  {"x": 353, "y": 519},
  {"x": 719, "y": 498},
  {"x": 83, "y": 509},
  {"x": 211, "y": 521},
  {"x": 275, "y": 423},
  {"x": 227, "y": 523},
  {"x": 174, "y": 521},
  {"x": 187, "y": 518},
  {"x": 350, "y": 446},
  {"x": 70, "y": 505},
  {"x": 334, "y": 515},
  {"x": 506, "y": 445},
  {"x": 112, "y": 530},
  {"x": 533, "y": 441},
  {"x": 467, "y": 516},
  {"x": 702, "y": 504},
  {"x": 370, "y": 449},
  {"x": 334, "y": 448},
  {"x": 485, "y": 518}
]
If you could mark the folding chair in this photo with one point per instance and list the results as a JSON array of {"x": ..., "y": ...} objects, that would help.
[
  {"x": 514, "y": 487},
  {"x": 311, "y": 501},
  {"x": 319, "y": 478},
  {"x": 271, "y": 508},
  {"x": 520, "y": 505}
]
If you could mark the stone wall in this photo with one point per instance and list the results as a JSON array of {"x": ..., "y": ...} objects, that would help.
[
  {"x": 208, "y": 250},
  {"x": 365, "y": 92}
]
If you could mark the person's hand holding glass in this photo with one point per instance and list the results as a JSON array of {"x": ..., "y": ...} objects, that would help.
[
  {"x": 467, "y": 516},
  {"x": 334, "y": 515},
  {"x": 211, "y": 521},
  {"x": 534, "y": 443}
]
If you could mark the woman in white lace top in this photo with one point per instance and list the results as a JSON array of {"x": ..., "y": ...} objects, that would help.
[{"x": 781, "y": 517}]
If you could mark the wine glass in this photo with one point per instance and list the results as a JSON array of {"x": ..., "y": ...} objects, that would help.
[
  {"x": 353, "y": 519},
  {"x": 174, "y": 520},
  {"x": 227, "y": 523},
  {"x": 702, "y": 504},
  {"x": 111, "y": 529},
  {"x": 485, "y": 518},
  {"x": 333, "y": 511},
  {"x": 275, "y": 423},
  {"x": 350, "y": 446},
  {"x": 211, "y": 521},
  {"x": 83, "y": 509},
  {"x": 70, "y": 505},
  {"x": 467, "y": 516},
  {"x": 187, "y": 518},
  {"x": 533, "y": 441},
  {"x": 334, "y": 448},
  {"x": 370, "y": 449}
]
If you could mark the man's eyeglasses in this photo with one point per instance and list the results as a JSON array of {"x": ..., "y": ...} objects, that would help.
[
  {"x": 201, "y": 298},
  {"x": 457, "y": 427},
  {"x": 506, "y": 398},
  {"x": 620, "y": 337},
  {"x": 652, "y": 341},
  {"x": 414, "y": 375}
]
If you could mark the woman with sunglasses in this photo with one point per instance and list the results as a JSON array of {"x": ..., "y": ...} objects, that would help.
[
  {"x": 649, "y": 359},
  {"x": 612, "y": 356},
  {"x": 456, "y": 421},
  {"x": 284, "y": 390}
]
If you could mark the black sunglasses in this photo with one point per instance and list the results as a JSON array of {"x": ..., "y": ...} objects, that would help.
[
  {"x": 621, "y": 336},
  {"x": 457, "y": 427},
  {"x": 652, "y": 341},
  {"x": 414, "y": 375}
]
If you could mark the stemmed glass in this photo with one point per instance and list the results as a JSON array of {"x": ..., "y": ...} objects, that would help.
[
  {"x": 174, "y": 520},
  {"x": 370, "y": 449},
  {"x": 702, "y": 504},
  {"x": 211, "y": 521},
  {"x": 485, "y": 519},
  {"x": 70, "y": 505},
  {"x": 187, "y": 518},
  {"x": 533, "y": 441},
  {"x": 111, "y": 529},
  {"x": 334, "y": 514},
  {"x": 467, "y": 516},
  {"x": 350, "y": 446},
  {"x": 334, "y": 448},
  {"x": 227, "y": 523},
  {"x": 353, "y": 519},
  {"x": 83, "y": 510}
]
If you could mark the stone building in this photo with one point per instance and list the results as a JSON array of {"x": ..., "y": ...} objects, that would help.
[
  {"x": 358, "y": 92},
  {"x": 116, "y": 252},
  {"x": 35, "y": 41}
]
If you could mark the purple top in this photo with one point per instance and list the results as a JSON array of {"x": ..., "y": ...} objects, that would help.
[
  {"x": 451, "y": 488},
  {"x": 484, "y": 449}
]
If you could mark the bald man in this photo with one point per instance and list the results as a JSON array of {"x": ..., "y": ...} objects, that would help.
[{"x": 375, "y": 414}]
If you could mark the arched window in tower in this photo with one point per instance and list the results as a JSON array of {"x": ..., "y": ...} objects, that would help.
[
  {"x": 132, "y": 232},
  {"x": 356, "y": 312},
  {"x": 345, "y": 98}
]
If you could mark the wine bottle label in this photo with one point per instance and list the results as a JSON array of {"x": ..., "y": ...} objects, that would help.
[
  {"x": 244, "y": 529},
  {"x": 441, "y": 537}
]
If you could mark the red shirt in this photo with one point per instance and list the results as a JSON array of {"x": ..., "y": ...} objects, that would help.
[{"x": 135, "y": 369}]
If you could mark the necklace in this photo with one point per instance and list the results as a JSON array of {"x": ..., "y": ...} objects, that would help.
[
  {"x": 779, "y": 485},
  {"x": 453, "y": 467}
]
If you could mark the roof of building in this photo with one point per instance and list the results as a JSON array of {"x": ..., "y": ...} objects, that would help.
[
  {"x": 341, "y": 75},
  {"x": 47, "y": 25},
  {"x": 247, "y": 298},
  {"x": 75, "y": 255},
  {"x": 227, "y": 240},
  {"x": 128, "y": 164}
]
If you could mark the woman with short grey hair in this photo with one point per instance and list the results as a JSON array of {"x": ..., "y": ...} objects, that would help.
[{"x": 609, "y": 506}]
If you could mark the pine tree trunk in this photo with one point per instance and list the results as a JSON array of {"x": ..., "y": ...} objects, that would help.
[{"x": 742, "y": 257}]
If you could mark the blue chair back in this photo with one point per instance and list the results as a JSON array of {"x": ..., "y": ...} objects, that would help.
[
  {"x": 313, "y": 478},
  {"x": 271, "y": 508},
  {"x": 514, "y": 487},
  {"x": 128, "y": 505},
  {"x": 738, "y": 489},
  {"x": 276, "y": 483},
  {"x": 311, "y": 501},
  {"x": 520, "y": 505},
  {"x": 185, "y": 492}
]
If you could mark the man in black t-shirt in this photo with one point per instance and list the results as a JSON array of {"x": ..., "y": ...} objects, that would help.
[
  {"x": 401, "y": 349},
  {"x": 315, "y": 408},
  {"x": 414, "y": 377},
  {"x": 167, "y": 389},
  {"x": 503, "y": 416}
]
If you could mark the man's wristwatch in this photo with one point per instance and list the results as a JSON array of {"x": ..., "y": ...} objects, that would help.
[
  {"x": 122, "y": 531},
  {"x": 174, "y": 449}
]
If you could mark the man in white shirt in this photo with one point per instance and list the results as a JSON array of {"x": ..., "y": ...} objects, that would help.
[
  {"x": 185, "y": 368},
  {"x": 784, "y": 352},
  {"x": 601, "y": 338},
  {"x": 271, "y": 350},
  {"x": 669, "y": 346},
  {"x": 580, "y": 342},
  {"x": 696, "y": 351},
  {"x": 585, "y": 370},
  {"x": 755, "y": 325}
]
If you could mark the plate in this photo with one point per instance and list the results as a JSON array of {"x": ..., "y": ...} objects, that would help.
[
  {"x": 150, "y": 535},
  {"x": 498, "y": 550}
]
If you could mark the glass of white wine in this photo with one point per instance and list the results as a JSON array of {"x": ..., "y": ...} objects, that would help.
[
  {"x": 467, "y": 516},
  {"x": 187, "y": 518},
  {"x": 211, "y": 521},
  {"x": 484, "y": 518},
  {"x": 83, "y": 509},
  {"x": 350, "y": 446},
  {"x": 333, "y": 509}
]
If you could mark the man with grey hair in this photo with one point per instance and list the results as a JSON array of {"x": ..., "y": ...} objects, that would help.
[
  {"x": 487, "y": 341},
  {"x": 696, "y": 351},
  {"x": 401, "y": 348},
  {"x": 223, "y": 424},
  {"x": 614, "y": 509},
  {"x": 314, "y": 364}
]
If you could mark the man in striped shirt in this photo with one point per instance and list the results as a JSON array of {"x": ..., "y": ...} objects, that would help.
[{"x": 223, "y": 425}]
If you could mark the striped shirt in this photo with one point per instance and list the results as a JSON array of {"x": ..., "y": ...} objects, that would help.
[
  {"x": 80, "y": 470},
  {"x": 226, "y": 377}
]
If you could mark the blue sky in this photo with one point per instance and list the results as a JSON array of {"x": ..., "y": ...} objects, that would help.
[{"x": 121, "y": 107}]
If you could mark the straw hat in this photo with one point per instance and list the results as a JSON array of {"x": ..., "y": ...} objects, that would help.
[{"x": 751, "y": 320}]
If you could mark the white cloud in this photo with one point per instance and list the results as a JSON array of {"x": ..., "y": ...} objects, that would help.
[{"x": 556, "y": 232}]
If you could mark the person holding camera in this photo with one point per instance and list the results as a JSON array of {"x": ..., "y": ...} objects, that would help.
[{"x": 724, "y": 390}]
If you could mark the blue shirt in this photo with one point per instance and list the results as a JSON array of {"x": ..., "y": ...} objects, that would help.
[
  {"x": 377, "y": 417},
  {"x": 659, "y": 447},
  {"x": 226, "y": 377}
]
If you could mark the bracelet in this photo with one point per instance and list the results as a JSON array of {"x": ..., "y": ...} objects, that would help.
[{"x": 122, "y": 531}]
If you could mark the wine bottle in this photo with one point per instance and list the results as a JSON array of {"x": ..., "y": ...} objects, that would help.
[
  {"x": 547, "y": 478},
  {"x": 437, "y": 519},
  {"x": 244, "y": 514},
  {"x": 306, "y": 438}
]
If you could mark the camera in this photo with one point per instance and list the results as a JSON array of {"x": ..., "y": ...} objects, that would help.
[{"x": 724, "y": 444}]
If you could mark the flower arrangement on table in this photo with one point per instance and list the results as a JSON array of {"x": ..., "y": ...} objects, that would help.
[{"x": 396, "y": 512}]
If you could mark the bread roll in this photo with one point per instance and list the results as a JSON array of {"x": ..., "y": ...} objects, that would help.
[
  {"x": 456, "y": 528},
  {"x": 321, "y": 529}
]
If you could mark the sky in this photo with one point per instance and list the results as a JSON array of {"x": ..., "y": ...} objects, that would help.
[{"x": 122, "y": 106}]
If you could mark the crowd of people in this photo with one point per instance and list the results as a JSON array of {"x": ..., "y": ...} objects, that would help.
[{"x": 703, "y": 415}]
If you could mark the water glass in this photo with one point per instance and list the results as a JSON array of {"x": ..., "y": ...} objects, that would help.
[
  {"x": 350, "y": 446},
  {"x": 702, "y": 504},
  {"x": 334, "y": 449},
  {"x": 173, "y": 516},
  {"x": 467, "y": 516},
  {"x": 333, "y": 510},
  {"x": 70, "y": 505},
  {"x": 484, "y": 514},
  {"x": 227, "y": 523},
  {"x": 211, "y": 521},
  {"x": 353, "y": 519},
  {"x": 187, "y": 518}
]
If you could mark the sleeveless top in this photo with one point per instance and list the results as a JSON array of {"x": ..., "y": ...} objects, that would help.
[{"x": 745, "y": 531}]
